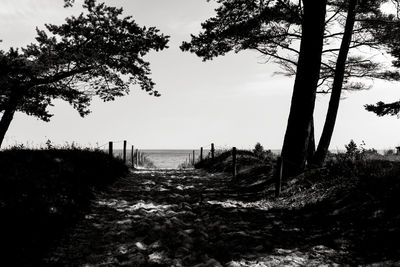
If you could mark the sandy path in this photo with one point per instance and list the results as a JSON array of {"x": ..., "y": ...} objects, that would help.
[{"x": 184, "y": 218}]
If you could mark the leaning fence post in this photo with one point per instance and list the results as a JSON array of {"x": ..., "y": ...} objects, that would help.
[
  {"x": 279, "y": 172},
  {"x": 132, "y": 152},
  {"x": 110, "y": 149},
  {"x": 234, "y": 161},
  {"x": 201, "y": 154},
  {"x": 124, "y": 153},
  {"x": 212, "y": 150}
]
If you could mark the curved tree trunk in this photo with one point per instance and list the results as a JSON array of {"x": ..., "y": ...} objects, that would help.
[
  {"x": 5, "y": 123},
  {"x": 334, "y": 101},
  {"x": 295, "y": 145},
  {"x": 7, "y": 117}
]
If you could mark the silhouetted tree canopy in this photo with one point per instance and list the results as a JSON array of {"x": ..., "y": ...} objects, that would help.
[
  {"x": 98, "y": 53},
  {"x": 86, "y": 56},
  {"x": 382, "y": 109},
  {"x": 387, "y": 31},
  {"x": 273, "y": 28},
  {"x": 242, "y": 24}
]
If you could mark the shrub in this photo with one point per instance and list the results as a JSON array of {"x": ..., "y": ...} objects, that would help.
[
  {"x": 258, "y": 150},
  {"x": 389, "y": 152},
  {"x": 352, "y": 151},
  {"x": 261, "y": 153}
]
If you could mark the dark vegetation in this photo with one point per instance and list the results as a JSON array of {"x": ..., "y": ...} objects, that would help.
[
  {"x": 350, "y": 204},
  {"x": 355, "y": 200},
  {"x": 43, "y": 193}
]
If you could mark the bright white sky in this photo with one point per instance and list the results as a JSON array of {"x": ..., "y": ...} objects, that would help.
[{"x": 233, "y": 100}]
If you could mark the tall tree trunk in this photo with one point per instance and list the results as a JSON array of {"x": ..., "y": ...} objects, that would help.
[
  {"x": 295, "y": 145},
  {"x": 337, "y": 86}
]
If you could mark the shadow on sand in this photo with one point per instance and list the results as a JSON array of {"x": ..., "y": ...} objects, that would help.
[{"x": 184, "y": 218}]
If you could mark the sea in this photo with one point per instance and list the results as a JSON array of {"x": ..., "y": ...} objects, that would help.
[
  {"x": 167, "y": 158},
  {"x": 172, "y": 158}
]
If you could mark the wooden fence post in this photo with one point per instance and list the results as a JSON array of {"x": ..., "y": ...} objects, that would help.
[
  {"x": 234, "y": 162},
  {"x": 201, "y": 154},
  {"x": 110, "y": 150},
  {"x": 132, "y": 152},
  {"x": 193, "y": 158},
  {"x": 137, "y": 157},
  {"x": 124, "y": 153},
  {"x": 212, "y": 151},
  {"x": 279, "y": 172}
]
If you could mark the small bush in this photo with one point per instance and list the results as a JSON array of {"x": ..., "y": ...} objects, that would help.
[
  {"x": 258, "y": 150},
  {"x": 389, "y": 152},
  {"x": 265, "y": 155}
]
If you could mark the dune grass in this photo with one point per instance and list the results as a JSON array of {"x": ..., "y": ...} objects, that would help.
[
  {"x": 354, "y": 198},
  {"x": 222, "y": 162},
  {"x": 44, "y": 192},
  {"x": 254, "y": 168}
]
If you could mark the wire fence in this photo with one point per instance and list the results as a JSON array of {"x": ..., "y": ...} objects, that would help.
[{"x": 133, "y": 156}]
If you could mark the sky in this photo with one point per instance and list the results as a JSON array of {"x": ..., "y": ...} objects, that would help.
[{"x": 234, "y": 100}]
